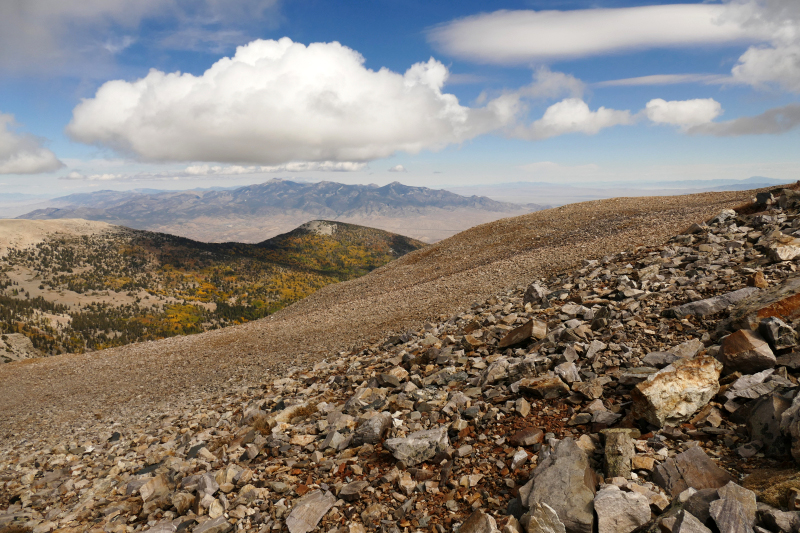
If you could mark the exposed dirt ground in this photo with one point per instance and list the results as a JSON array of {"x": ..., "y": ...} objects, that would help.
[{"x": 65, "y": 396}]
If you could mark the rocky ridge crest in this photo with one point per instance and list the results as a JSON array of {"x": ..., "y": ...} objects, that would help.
[{"x": 648, "y": 389}]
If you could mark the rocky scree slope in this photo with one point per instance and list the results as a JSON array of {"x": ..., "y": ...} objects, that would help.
[{"x": 648, "y": 390}]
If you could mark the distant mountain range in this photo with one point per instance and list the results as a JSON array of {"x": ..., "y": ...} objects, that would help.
[{"x": 257, "y": 212}]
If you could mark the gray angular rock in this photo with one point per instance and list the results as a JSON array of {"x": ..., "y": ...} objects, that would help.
[
  {"x": 619, "y": 451},
  {"x": 687, "y": 523},
  {"x": 746, "y": 497},
  {"x": 677, "y": 391},
  {"x": 698, "y": 504},
  {"x": 729, "y": 515},
  {"x": 215, "y": 525},
  {"x": 778, "y": 333},
  {"x": 790, "y": 426},
  {"x": 542, "y": 519},
  {"x": 692, "y": 468},
  {"x": 688, "y": 349},
  {"x": 352, "y": 491},
  {"x": 418, "y": 446},
  {"x": 764, "y": 423},
  {"x": 747, "y": 352},
  {"x": 713, "y": 305},
  {"x": 659, "y": 359},
  {"x": 620, "y": 512},
  {"x": 565, "y": 482},
  {"x": 372, "y": 430},
  {"x": 535, "y": 294},
  {"x": 309, "y": 510}
]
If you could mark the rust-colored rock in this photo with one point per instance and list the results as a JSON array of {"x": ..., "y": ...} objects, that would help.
[
  {"x": 747, "y": 352},
  {"x": 544, "y": 387},
  {"x": 531, "y": 328}
]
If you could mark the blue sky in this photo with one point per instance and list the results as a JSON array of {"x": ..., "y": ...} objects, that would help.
[{"x": 427, "y": 93}]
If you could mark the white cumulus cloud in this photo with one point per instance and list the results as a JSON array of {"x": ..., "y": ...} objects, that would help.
[
  {"x": 275, "y": 102},
  {"x": 683, "y": 113},
  {"x": 572, "y": 115},
  {"x": 23, "y": 153},
  {"x": 524, "y": 36},
  {"x": 776, "y": 64},
  {"x": 397, "y": 168}
]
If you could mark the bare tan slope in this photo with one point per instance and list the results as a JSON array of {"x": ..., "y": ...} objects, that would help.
[{"x": 65, "y": 394}]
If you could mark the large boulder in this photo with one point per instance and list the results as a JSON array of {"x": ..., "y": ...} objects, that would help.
[
  {"x": 747, "y": 352},
  {"x": 677, "y": 391},
  {"x": 764, "y": 423},
  {"x": 565, "y": 482}
]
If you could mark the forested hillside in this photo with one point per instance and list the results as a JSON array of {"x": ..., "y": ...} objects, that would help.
[{"x": 87, "y": 292}]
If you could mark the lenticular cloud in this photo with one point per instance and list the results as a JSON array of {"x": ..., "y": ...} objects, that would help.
[{"x": 278, "y": 101}]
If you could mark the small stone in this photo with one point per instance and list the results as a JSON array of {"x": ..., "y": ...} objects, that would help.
[
  {"x": 688, "y": 523},
  {"x": 542, "y": 519},
  {"x": 642, "y": 462},
  {"x": 155, "y": 488},
  {"x": 619, "y": 452},
  {"x": 778, "y": 333},
  {"x": 182, "y": 501},
  {"x": 216, "y": 525},
  {"x": 479, "y": 522},
  {"x": 620, "y": 512},
  {"x": 746, "y": 497},
  {"x": 418, "y": 446},
  {"x": 545, "y": 387},
  {"x": 215, "y": 509},
  {"x": 406, "y": 484},
  {"x": 309, "y": 510},
  {"x": 692, "y": 468},
  {"x": 527, "y": 437},
  {"x": 352, "y": 491},
  {"x": 523, "y": 407},
  {"x": 519, "y": 458},
  {"x": 565, "y": 482}
]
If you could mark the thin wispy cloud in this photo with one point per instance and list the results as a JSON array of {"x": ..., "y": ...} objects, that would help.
[{"x": 513, "y": 37}]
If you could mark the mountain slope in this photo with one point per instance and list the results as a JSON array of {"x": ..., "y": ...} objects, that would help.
[
  {"x": 70, "y": 288},
  {"x": 436, "y": 281},
  {"x": 249, "y": 214}
]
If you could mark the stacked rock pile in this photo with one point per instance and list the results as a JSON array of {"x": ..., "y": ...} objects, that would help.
[{"x": 648, "y": 390}]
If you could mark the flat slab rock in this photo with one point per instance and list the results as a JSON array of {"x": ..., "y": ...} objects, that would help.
[
  {"x": 566, "y": 483},
  {"x": 692, "y": 468},
  {"x": 309, "y": 510}
]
